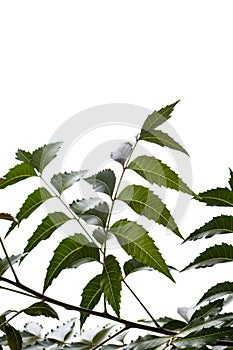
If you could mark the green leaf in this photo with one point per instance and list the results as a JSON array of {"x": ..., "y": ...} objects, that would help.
[
  {"x": 82, "y": 205},
  {"x": 101, "y": 335},
  {"x": 122, "y": 153},
  {"x": 148, "y": 342},
  {"x": 171, "y": 324},
  {"x": 135, "y": 240},
  {"x": 162, "y": 139},
  {"x": 70, "y": 253},
  {"x": 41, "y": 309},
  {"x": 62, "y": 181},
  {"x": 44, "y": 155},
  {"x": 222, "y": 197},
  {"x": 210, "y": 309},
  {"x": 217, "y": 291},
  {"x": 145, "y": 202},
  {"x": 218, "y": 225},
  {"x": 33, "y": 201},
  {"x": 134, "y": 265},
  {"x": 100, "y": 235},
  {"x": 231, "y": 179},
  {"x": 111, "y": 283},
  {"x": 6, "y": 216},
  {"x": 96, "y": 216},
  {"x": 63, "y": 332},
  {"x": 212, "y": 256},
  {"x": 4, "y": 264},
  {"x": 154, "y": 171},
  {"x": 158, "y": 117},
  {"x": 46, "y": 228},
  {"x": 104, "y": 181},
  {"x": 18, "y": 173},
  {"x": 23, "y": 156},
  {"x": 13, "y": 337},
  {"x": 208, "y": 336},
  {"x": 90, "y": 297}
]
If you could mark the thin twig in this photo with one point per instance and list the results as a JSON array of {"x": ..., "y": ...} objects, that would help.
[
  {"x": 11, "y": 318},
  {"x": 19, "y": 292},
  {"x": 9, "y": 261}
]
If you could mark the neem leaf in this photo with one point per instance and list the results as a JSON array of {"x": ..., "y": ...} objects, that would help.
[
  {"x": 70, "y": 253},
  {"x": 155, "y": 171},
  {"x": 4, "y": 264},
  {"x": 13, "y": 337},
  {"x": 158, "y": 117},
  {"x": 217, "y": 291},
  {"x": 33, "y": 201},
  {"x": 41, "y": 309},
  {"x": 62, "y": 181},
  {"x": 6, "y": 216},
  {"x": 18, "y": 173},
  {"x": 134, "y": 265},
  {"x": 162, "y": 139},
  {"x": 145, "y": 202},
  {"x": 135, "y": 240},
  {"x": 44, "y": 155},
  {"x": 148, "y": 342},
  {"x": 212, "y": 256},
  {"x": 90, "y": 297},
  {"x": 222, "y": 197},
  {"x": 82, "y": 205},
  {"x": 23, "y": 156},
  {"x": 111, "y": 282},
  {"x": 122, "y": 153},
  {"x": 218, "y": 225},
  {"x": 46, "y": 228},
  {"x": 63, "y": 332},
  {"x": 104, "y": 181},
  {"x": 210, "y": 309},
  {"x": 96, "y": 216}
]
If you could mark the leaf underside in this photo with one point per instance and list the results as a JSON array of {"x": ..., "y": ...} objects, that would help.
[
  {"x": 122, "y": 153},
  {"x": 4, "y": 264}
]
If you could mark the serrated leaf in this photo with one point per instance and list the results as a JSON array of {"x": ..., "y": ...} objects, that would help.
[
  {"x": 44, "y": 155},
  {"x": 100, "y": 235},
  {"x": 210, "y": 309},
  {"x": 134, "y": 265},
  {"x": 18, "y": 173},
  {"x": 63, "y": 332},
  {"x": 135, "y": 240},
  {"x": 155, "y": 171},
  {"x": 217, "y": 291},
  {"x": 162, "y": 139},
  {"x": 23, "y": 156},
  {"x": 158, "y": 117},
  {"x": 148, "y": 342},
  {"x": 212, "y": 256},
  {"x": 222, "y": 197},
  {"x": 145, "y": 202},
  {"x": 111, "y": 282},
  {"x": 70, "y": 253},
  {"x": 62, "y": 181},
  {"x": 96, "y": 216},
  {"x": 13, "y": 337},
  {"x": 122, "y": 153},
  {"x": 104, "y": 181},
  {"x": 90, "y": 297},
  {"x": 231, "y": 179},
  {"x": 46, "y": 228},
  {"x": 4, "y": 264},
  {"x": 208, "y": 336},
  {"x": 6, "y": 216},
  {"x": 171, "y": 324},
  {"x": 33, "y": 201},
  {"x": 218, "y": 225},
  {"x": 82, "y": 205},
  {"x": 41, "y": 309}
]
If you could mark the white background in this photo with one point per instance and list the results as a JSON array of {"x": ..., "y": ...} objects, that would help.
[{"x": 60, "y": 57}]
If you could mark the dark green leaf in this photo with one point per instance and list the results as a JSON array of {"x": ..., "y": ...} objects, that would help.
[
  {"x": 4, "y": 265},
  {"x": 62, "y": 181},
  {"x": 217, "y": 291},
  {"x": 134, "y": 265},
  {"x": 145, "y": 202},
  {"x": 158, "y": 117},
  {"x": 104, "y": 181},
  {"x": 171, "y": 324},
  {"x": 13, "y": 337},
  {"x": 122, "y": 153},
  {"x": 33, "y": 201},
  {"x": 213, "y": 255},
  {"x": 41, "y": 309},
  {"x": 18, "y": 173},
  {"x": 90, "y": 297},
  {"x": 148, "y": 342},
  {"x": 111, "y": 283},
  {"x": 161, "y": 138},
  {"x": 222, "y": 197},
  {"x": 45, "y": 229},
  {"x": 70, "y": 253},
  {"x": 96, "y": 216},
  {"x": 23, "y": 156},
  {"x": 6, "y": 216},
  {"x": 210, "y": 309},
  {"x": 154, "y": 171},
  {"x": 63, "y": 332},
  {"x": 231, "y": 179},
  {"x": 218, "y": 225},
  {"x": 44, "y": 155},
  {"x": 135, "y": 240}
]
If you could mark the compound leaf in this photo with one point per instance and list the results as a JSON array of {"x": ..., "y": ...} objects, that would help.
[
  {"x": 104, "y": 181},
  {"x": 41, "y": 309},
  {"x": 70, "y": 253},
  {"x": 135, "y": 240},
  {"x": 62, "y": 181},
  {"x": 155, "y": 171},
  {"x": 42, "y": 156},
  {"x": 222, "y": 197},
  {"x": 145, "y": 202},
  {"x": 18, "y": 173}
]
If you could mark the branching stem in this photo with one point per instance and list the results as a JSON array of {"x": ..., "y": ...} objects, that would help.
[{"x": 9, "y": 261}]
